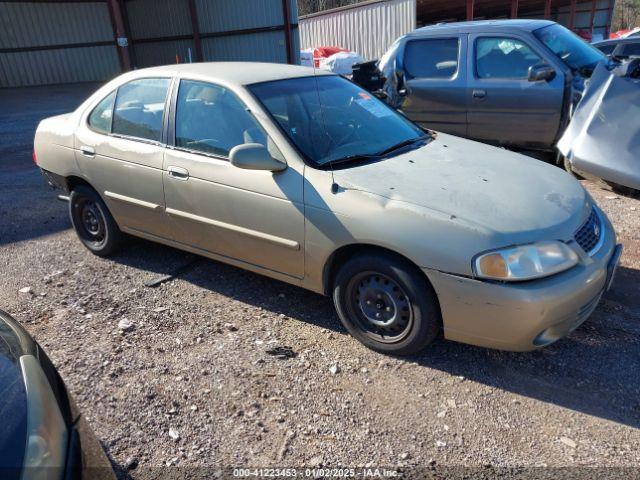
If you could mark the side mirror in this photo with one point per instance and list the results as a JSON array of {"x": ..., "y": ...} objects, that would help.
[
  {"x": 253, "y": 156},
  {"x": 541, "y": 72}
]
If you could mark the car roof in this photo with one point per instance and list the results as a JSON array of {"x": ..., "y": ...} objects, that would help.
[
  {"x": 241, "y": 73},
  {"x": 481, "y": 26},
  {"x": 612, "y": 41}
]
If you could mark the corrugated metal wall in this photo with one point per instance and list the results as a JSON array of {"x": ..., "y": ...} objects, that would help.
[
  {"x": 163, "y": 21},
  {"x": 73, "y": 41},
  {"x": 258, "y": 25},
  {"x": 230, "y": 30},
  {"x": 368, "y": 29},
  {"x": 29, "y": 30}
]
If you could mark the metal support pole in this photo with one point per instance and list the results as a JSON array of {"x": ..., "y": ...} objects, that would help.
[
  {"x": 592, "y": 15},
  {"x": 547, "y": 9},
  {"x": 514, "y": 9},
  {"x": 572, "y": 14},
  {"x": 470, "y": 9},
  {"x": 195, "y": 29},
  {"x": 287, "y": 30},
  {"x": 121, "y": 36},
  {"x": 607, "y": 31}
]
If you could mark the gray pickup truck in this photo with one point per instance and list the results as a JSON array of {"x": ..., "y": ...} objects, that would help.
[{"x": 505, "y": 82}]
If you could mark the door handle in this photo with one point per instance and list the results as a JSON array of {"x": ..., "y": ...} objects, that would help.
[
  {"x": 479, "y": 93},
  {"x": 178, "y": 173},
  {"x": 87, "y": 151}
]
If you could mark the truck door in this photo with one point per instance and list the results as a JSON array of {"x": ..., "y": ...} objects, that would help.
[
  {"x": 435, "y": 82},
  {"x": 504, "y": 106}
]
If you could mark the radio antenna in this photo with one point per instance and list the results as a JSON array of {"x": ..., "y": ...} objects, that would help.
[{"x": 334, "y": 185}]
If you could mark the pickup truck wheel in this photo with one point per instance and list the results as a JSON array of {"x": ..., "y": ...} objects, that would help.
[
  {"x": 387, "y": 304},
  {"x": 93, "y": 222}
]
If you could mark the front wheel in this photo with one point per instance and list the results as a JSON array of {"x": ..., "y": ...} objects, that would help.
[
  {"x": 387, "y": 304},
  {"x": 94, "y": 225}
]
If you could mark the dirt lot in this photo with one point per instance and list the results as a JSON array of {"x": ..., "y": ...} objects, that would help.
[{"x": 193, "y": 382}]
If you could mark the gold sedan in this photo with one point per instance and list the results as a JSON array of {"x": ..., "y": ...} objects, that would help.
[{"x": 304, "y": 177}]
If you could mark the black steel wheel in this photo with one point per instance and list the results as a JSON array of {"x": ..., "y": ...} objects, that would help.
[
  {"x": 380, "y": 306},
  {"x": 386, "y": 303},
  {"x": 93, "y": 222}
]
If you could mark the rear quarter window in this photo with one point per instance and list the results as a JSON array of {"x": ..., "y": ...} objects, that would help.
[
  {"x": 100, "y": 117},
  {"x": 139, "y": 108}
]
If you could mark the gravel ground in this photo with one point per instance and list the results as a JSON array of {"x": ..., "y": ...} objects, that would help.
[{"x": 221, "y": 367}]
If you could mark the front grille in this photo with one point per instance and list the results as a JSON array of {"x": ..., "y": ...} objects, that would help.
[{"x": 589, "y": 234}]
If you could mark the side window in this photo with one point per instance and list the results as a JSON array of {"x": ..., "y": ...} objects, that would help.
[
  {"x": 631, "y": 49},
  {"x": 607, "y": 49},
  {"x": 431, "y": 58},
  {"x": 140, "y": 107},
  {"x": 211, "y": 119},
  {"x": 100, "y": 118},
  {"x": 504, "y": 58}
]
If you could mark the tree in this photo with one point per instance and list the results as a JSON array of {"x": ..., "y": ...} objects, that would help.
[
  {"x": 626, "y": 15},
  {"x": 312, "y": 6}
]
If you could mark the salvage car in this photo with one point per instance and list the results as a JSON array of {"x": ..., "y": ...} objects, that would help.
[
  {"x": 43, "y": 434},
  {"x": 602, "y": 142},
  {"x": 621, "y": 48},
  {"x": 504, "y": 82},
  {"x": 305, "y": 177}
]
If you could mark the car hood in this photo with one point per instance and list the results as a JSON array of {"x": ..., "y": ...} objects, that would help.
[{"x": 504, "y": 193}]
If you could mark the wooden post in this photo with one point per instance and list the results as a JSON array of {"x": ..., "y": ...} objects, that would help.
[
  {"x": 547, "y": 9},
  {"x": 514, "y": 9},
  {"x": 121, "y": 36},
  {"x": 287, "y": 30},
  {"x": 470, "y": 9},
  {"x": 195, "y": 29}
]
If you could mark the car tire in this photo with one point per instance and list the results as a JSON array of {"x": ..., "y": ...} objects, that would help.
[
  {"x": 386, "y": 303},
  {"x": 93, "y": 223}
]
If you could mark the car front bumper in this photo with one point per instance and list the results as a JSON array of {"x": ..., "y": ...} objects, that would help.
[{"x": 527, "y": 315}]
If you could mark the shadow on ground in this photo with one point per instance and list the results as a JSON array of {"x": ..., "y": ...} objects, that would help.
[{"x": 596, "y": 370}]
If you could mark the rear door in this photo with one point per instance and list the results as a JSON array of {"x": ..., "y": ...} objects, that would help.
[
  {"x": 435, "y": 80},
  {"x": 504, "y": 106},
  {"x": 120, "y": 150}
]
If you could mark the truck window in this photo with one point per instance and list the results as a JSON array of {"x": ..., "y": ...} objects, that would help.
[
  {"x": 501, "y": 57},
  {"x": 431, "y": 58}
]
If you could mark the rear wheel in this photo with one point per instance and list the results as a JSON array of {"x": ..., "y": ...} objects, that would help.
[
  {"x": 386, "y": 303},
  {"x": 94, "y": 225}
]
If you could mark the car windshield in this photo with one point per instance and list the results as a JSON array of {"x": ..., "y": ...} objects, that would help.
[
  {"x": 570, "y": 48},
  {"x": 330, "y": 119}
]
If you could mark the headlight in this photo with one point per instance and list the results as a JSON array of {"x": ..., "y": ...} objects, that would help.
[{"x": 525, "y": 262}]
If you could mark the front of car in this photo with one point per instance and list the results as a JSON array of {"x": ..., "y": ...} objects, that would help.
[
  {"x": 43, "y": 434},
  {"x": 515, "y": 249}
]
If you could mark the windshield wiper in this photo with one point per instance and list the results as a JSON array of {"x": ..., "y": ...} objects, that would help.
[
  {"x": 352, "y": 158},
  {"x": 400, "y": 145},
  {"x": 376, "y": 156}
]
